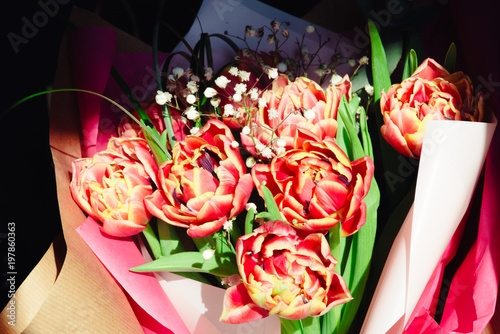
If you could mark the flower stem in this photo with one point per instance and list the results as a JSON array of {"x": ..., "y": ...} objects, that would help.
[
  {"x": 291, "y": 326},
  {"x": 152, "y": 241}
]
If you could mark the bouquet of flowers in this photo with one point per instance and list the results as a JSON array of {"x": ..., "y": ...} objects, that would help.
[{"x": 252, "y": 175}]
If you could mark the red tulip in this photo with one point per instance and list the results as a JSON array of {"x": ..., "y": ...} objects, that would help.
[
  {"x": 294, "y": 112},
  {"x": 283, "y": 274},
  {"x": 204, "y": 184},
  {"x": 111, "y": 186},
  {"x": 317, "y": 187},
  {"x": 431, "y": 93}
]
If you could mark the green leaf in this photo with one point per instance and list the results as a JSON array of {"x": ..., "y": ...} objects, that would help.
[
  {"x": 152, "y": 241},
  {"x": 271, "y": 206},
  {"x": 249, "y": 219},
  {"x": 393, "y": 50},
  {"x": 411, "y": 64},
  {"x": 328, "y": 322},
  {"x": 359, "y": 259},
  {"x": 264, "y": 215},
  {"x": 365, "y": 134},
  {"x": 191, "y": 262},
  {"x": 345, "y": 113},
  {"x": 451, "y": 58},
  {"x": 389, "y": 156},
  {"x": 311, "y": 325},
  {"x": 169, "y": 239},
  {"x": 291, "y": 326},
  {"x": 380, "y": 71}
]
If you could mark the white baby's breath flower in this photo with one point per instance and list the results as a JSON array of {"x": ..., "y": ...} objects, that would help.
[
  {"x": 215, "y": 101},
  {"x": 309, "y": 114},
  {"x": 233, "y": 71},
  {"x": 254, "y": 93},
  {"x": 250, "y": 31},
  {"x": 194, "y": 130},
  {"x": 272, "y": 73},
  {"x": 192, "y": 86},
  {"x": 240, "y": 88},
  {"x": 250, "y": 162},
  {"x": 310, "y": 29},
  {"x": 262, "y": 102},
  {"x": 282, "y": 67},
  {"x": 191, "y": 113},
  {"x": 251, "y": 205},
  {"x": 191, "y": 99},
  {"x": 244, "y": 75},
  {"x": 222, "y": 81},
  {"x": 245, "y": 130},
  {"x": 237, "y": 97},
  {"x": 228, "y": 225},
  {"x": 208, "y": 254},
  {"x": 279, "y": 150},
  {"x": 228, "y": 110},
  {"x": 163, "y": 97},
  {"x": 351, "y": 62},
  {"x": 177, "y": 72},
  {"x": 260, "y": 147},
  {"x": 320, "y": 71},
  {"x": 363, "y": 60},
  {"x": 267, "y": 153},
  {"x": 273, "y": 113},
  {"x": 210, "y": 92},
  {"x": 235, "y": 144},
  {"x": 335, "y": 79},
  {"x": 369, "y": 89},
  {"x": 280, "y": 142},
  {"x": 209, "y": 73}
]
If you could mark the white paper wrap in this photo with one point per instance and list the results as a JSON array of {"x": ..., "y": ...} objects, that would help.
[
  {"x": 200, "y": 306},
  {"x": 452, "y": 157},
  {"x": 215, "y": 16}
]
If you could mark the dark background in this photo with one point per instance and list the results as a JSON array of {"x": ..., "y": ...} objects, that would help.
[{"x": 27, "y": 183}]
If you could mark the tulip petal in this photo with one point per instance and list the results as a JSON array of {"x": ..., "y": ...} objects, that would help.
[
  {"x": 241, "y": 194},
  {"x": 121, "y": 228},
  {"x": 206, "y": 228},
  {"x": 239, "y": 308}
]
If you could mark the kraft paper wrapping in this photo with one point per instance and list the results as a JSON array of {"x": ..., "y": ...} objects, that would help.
[{"x": 79, "y": 295}]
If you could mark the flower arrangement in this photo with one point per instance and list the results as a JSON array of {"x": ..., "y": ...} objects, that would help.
[
  {"x": 256, "y": 179},
  {"x": 245, "y": 163}
]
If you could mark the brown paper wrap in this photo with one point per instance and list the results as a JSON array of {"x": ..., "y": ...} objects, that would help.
[{"x": 70, "y": 291}]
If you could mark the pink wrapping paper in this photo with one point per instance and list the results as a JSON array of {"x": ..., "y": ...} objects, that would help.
[
  {"x": 91, "y": 50},
  {"x": 155, "y": 311},
  {"x": 93, "y": 53}
]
